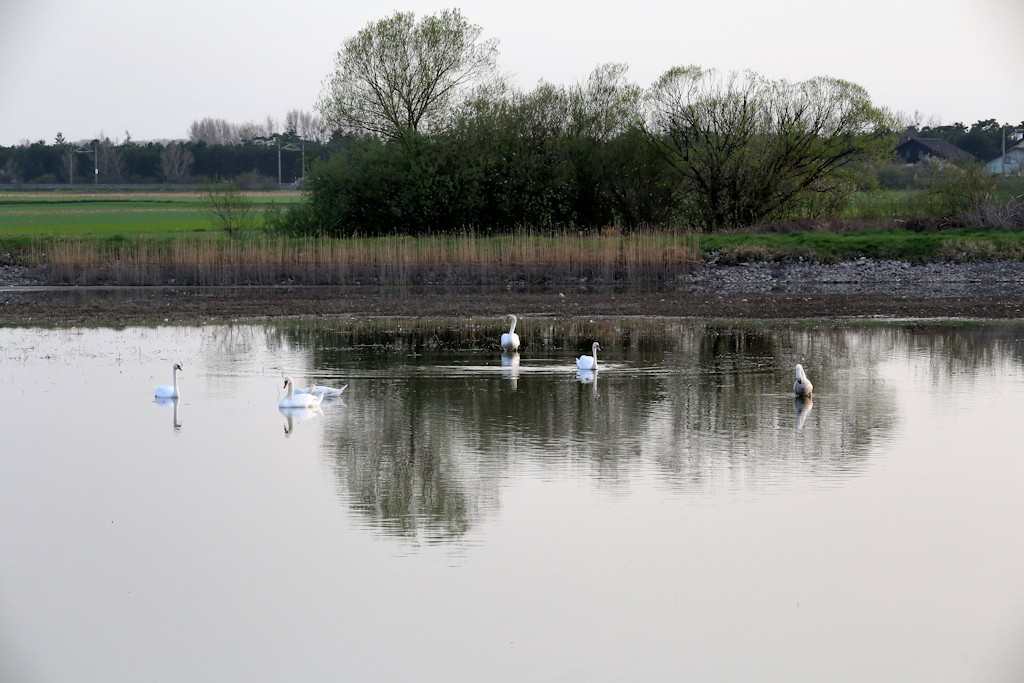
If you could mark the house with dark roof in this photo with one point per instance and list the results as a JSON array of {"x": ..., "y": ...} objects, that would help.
[{"x": 913, "y": 150}]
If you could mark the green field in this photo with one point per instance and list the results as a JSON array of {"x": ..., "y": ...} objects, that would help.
[
  {"x": 47, "y": 215},
  {"x": 33, "y": 219}
]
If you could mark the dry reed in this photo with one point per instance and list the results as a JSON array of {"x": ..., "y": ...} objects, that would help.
[{"x": 524, "y": 258}]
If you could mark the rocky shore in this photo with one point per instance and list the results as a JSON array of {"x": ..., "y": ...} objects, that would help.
[{"x": 855, "y": 289}]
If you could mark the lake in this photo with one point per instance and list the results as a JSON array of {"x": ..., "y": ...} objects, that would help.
[{"x": 461, "y": 516}]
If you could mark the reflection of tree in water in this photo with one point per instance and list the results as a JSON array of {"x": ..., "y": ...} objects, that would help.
[{"x": 424, "y": 453}]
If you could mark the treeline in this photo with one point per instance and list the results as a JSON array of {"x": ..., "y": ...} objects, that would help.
[
  {"x": 983, "y": 139},
  {"x": 251, "y": 163}
]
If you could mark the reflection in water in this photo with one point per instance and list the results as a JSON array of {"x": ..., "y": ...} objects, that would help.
[
  {"x": 802, "y": 405},
  {"x": 510, "y": 368},
  {"x": 588, "y": 377},
  {"x": 699, "y": 405},
  {"x": 681, "y": 504},
  {"x": 294, "y": 415},
  {"x": 170, "y": 403}
]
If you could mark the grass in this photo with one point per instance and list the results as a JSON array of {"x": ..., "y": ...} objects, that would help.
[
  {"x": 160, "y": 237},
  {"x": 34, "y": 215}
]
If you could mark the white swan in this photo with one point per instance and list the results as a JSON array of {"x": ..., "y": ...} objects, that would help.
[
  {"x": 169, "y": 390},
  {"x": 589, "y": 362},
  {"x": 802, "y": 386},
  {"x": 317, "y": 390},
  {"x": 293, "y": 400},
  {"x": 510, "y": 340}
]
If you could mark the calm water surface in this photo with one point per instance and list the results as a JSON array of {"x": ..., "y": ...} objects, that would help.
[{"x": 464, "y": 517}]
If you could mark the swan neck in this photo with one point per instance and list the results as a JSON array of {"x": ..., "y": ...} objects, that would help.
[{"x": 512, "y": 329}]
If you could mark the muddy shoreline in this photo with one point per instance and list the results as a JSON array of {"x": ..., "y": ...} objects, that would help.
[{"x": 858, "y": 289}]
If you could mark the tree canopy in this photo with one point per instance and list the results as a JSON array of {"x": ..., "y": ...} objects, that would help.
[
  {"x": 399, "y": 75},
  {"x": 748, "y": 149}
]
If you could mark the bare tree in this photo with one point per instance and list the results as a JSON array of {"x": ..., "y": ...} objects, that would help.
[
  {"x": 109, "y": 161},
  {"x": 306, "y": 125},
  {"x": 214, "y": 132},
  {"x": 400, "y": 75},
  {"x": 228, "y": 208},
  {"x": 176, "y": 162}
]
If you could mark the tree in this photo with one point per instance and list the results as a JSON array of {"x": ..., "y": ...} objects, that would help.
[
  {"x": 227, "y": 207},
  {"x": 398, "y": 75},
  {"x": 176, "y": 162},
  {"x": 747, "y": 149},
  {"x": 307, "y": 126}
]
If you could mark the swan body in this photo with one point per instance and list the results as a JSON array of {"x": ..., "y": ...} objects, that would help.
[
  {"x": 589, "y": 362},
  {"x": 802, "y": 386},
  {"x": 293, "y": 400},
  {"x": 169, "y": 390},
  {"x": 317, "y": 390},
  {"x": 510, "y": 340}
]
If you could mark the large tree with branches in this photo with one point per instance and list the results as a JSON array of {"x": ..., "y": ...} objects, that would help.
[
  {"x": 399, "y": 75},
  {"x": 748, "y": 149}
]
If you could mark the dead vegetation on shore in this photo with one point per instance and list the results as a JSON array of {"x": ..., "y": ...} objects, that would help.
[{"x": 527, "y": 258}]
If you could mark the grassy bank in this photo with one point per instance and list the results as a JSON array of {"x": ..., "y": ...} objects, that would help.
[{"x": 168, "y": 237}]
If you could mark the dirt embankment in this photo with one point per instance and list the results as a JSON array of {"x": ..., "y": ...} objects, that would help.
[{"x": 863, "y": 288}]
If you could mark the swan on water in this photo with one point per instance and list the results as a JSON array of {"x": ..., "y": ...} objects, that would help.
[
  {"x": 802, "y": 386},
  {"x": 293, "y": 400},
  {"x": 317, "y": 390},
  {"x": 589, "y": 362},
  {"x": 510, "y": 340},
  {"x": 169, "y": 390}
]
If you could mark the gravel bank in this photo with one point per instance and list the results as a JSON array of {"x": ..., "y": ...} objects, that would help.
[{"x": 863, "y": 288}]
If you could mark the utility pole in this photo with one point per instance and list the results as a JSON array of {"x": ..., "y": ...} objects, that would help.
[{"x": 1016, "y": 136}]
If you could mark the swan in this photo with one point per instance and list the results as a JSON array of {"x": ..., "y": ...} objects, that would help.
[
  {"x": 317, "y": 390},
  {"x": 802, "y": 386},
  {"x": 169, "y": 390},
  {"x": 589, "y": 362},
  {"x": 293, "y": 400},
  {"x": 510, "y": 340}
]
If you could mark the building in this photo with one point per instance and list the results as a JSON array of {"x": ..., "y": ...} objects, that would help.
[
  {"x": 912, "y": 150},
  {"x": 1011, "y": 163}
]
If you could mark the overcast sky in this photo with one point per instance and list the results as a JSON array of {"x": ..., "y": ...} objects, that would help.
[{"x": 86, "y": 67}]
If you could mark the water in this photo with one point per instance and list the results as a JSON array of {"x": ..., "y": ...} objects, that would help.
[{"x": 676, "y": 517}]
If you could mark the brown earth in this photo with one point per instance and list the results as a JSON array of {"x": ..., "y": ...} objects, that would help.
[{"x": 864, "y": 288}]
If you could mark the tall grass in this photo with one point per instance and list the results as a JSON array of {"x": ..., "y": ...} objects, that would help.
[{"x": 526, "y": 258}]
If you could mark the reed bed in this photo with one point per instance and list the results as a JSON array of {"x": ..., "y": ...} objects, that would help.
[{"x": 525, "y": 258}]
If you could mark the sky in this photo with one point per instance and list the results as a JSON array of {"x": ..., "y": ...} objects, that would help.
[{"x": 87, "y": 68}]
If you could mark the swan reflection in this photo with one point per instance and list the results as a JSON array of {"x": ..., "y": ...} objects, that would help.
[
  {"x": 298, "y": 415},
  {"x": 165, "y": 402},
  {"x": 588, "y": 377},
  {"x": 802, "y": 405},
  {"x": 510, "y": 368}
]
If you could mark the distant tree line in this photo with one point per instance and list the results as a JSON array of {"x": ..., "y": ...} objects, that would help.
[
  {"x": 253, "y": 154},
  {"x": 983, "y": 139}
]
